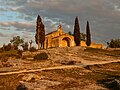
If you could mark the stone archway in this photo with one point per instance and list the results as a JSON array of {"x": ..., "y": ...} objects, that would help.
[{"x": 66, "y": 42}]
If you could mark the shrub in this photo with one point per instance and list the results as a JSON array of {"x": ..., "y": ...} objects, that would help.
[
  {"x": 19, "y": 53},
  {"x": 1, "y": 49},
  {"x": 25, "y": 46},
  {"x": 33, "y": 49},
  {"x": 8, "y": 47},
  {"x": 4, "y": 62},
  {"x": 12, "y": 53},
  {"x": 4, "y": 58},
  {"x": 114, "y": 43},
  {"x": 41, "y": 56}
]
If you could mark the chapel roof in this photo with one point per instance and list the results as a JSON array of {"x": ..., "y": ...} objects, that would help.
[{"x": 51, "y": 32}]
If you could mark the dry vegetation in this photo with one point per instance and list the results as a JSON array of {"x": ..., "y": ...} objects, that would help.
[{"x": 97, "y": 69}]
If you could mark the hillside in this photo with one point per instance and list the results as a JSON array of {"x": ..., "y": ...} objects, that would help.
[{"x": 67, "y": 68}]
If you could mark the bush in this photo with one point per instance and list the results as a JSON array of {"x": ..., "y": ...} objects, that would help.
[
  {"x": 4, "y": 62},
  {"x": 1, "y": 50},
  {"x": 41, "y": 56},
  {"x": 4, "y": 58},
  {"x": 33, "y": 49},
  {"x": 12, "y": 53},
  {"x": 19, "y": 54},
  {"x": 8, "y": 47},
  {"x": 114, "y": 43},
  {"x": 25, "y": 46}
]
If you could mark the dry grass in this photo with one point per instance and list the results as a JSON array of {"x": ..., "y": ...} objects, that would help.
[
  {"x": 9, "y": 82},
  {"x": 74, "y": 77},
  {"x": 69, "y": 78},
  {"x": 95, "y": 51}
]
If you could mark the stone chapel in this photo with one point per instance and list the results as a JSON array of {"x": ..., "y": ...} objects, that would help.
[{"x": 59, "y": 38}]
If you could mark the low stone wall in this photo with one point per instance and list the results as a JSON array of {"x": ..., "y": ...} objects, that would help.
[{"x": 93, "y": 45}]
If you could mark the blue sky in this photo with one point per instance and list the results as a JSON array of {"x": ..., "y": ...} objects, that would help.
[{"x": 18, "y": 17}]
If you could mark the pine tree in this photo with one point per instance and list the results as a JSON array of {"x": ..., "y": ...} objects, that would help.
[
  {"x": 77, "y": 32},
  {"x": 40, "y": 33},
  {"x": 16, "y": 41},
  {"x": 88, "y": 36}
]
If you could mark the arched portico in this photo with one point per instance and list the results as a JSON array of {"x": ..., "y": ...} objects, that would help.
[{"x": 66, "y": 42}]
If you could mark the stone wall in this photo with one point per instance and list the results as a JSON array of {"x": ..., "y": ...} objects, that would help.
[{"x": 93, "y": 45}]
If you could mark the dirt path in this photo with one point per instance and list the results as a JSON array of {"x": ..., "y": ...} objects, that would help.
[
  {"x": 99, "y": 62},
  {"x": 41, "y": 69},
  {"x": 56, "y": 67}
]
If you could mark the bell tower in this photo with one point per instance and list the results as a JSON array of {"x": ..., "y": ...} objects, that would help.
[{"x": 59, "y": 29}]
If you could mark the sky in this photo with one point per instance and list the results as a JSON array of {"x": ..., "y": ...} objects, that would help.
[{"x": 18, "y": 17}]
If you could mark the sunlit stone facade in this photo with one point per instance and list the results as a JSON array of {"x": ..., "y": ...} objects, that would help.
[{"x": 60, "y": 39}]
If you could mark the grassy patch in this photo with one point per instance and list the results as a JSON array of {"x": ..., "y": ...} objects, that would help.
[
  {"x": 96, "y": 51},
  {"x": 41, "y": 56},
  {"x": 114, "y": 53},
  {"x": 9, "y": 82},
  {"x": 11, "y": 53},
  {"x": 73, "y": 72},
  {"x": 88, "y": 49},
  {"x": 64, "y": 85}
]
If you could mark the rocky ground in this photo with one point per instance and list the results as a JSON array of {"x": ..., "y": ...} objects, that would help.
[{"x": 71, "y": 68}]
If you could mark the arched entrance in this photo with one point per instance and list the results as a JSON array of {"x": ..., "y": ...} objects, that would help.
[{"x": 66, "y": 42}]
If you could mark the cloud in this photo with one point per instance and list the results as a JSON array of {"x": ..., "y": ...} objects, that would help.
[
  {"x": 18, "y": 25},
  {"x": 2, "y": 35},
  {"x": 117, "y": 8},
  {"x": 64, "y": 9}
]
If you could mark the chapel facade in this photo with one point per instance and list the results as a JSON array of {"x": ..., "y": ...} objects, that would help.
[{"x": 59, "y": 38}]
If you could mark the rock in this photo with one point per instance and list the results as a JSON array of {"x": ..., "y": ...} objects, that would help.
[
  {"x": 21, "y": 86},
  {"x": 114, "y": 84},
  {"x": 111, "y": 83},
  {"x": 30, "y": 77},
  {"x": 37, "y": 85},
  {"x": 67, "y": 62}
]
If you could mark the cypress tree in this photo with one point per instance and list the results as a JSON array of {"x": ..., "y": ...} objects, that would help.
[
  {"x": 77, "y": 32},
  {"x": 40, "y": 33},
  {"x": 88, "y": 35}
]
